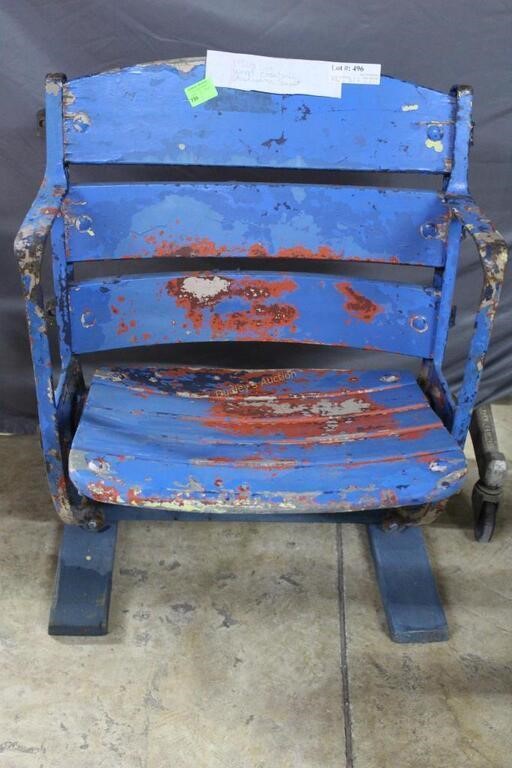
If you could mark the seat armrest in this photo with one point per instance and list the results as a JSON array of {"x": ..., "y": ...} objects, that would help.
[
  {"x": 31, "y": 237},
  {"x": 492, "y": 247},
  {"x": 28, "y": 248},
  {"x": 493, "y": 252}
]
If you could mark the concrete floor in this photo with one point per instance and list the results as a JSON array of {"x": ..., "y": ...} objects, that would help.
[{"x": 225, "y": 646}]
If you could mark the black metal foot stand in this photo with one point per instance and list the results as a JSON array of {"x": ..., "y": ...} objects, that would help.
[
  {"x": 83, "y": 582},
  {"x": 408, "y": 590},
  {"x": 492, "y": 470}
]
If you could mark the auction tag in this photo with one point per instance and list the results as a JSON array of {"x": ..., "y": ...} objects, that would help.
[
  {"x": 362, "y": 74},
  {"x": 202, "y": 91},
  {"x": 247, "y": 72},
  {"x": 266, "y": 73}
]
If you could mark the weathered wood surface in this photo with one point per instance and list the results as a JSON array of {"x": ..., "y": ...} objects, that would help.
[
  {"x": 262, "y": 441},
  {"x": 292, "y": 221},
  {"x": 141, "y": 115},
  {"x": 252, "y": 306}
]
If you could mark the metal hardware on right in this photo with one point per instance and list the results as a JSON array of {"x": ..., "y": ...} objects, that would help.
[{"x": 492, "y": 470}]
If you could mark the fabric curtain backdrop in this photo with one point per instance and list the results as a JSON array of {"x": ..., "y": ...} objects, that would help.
[{"x": 436, "y": 44}]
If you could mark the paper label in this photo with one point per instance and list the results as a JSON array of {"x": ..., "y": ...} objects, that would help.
[
  {"x": 266, "y": 73},
  {"x": 286, "y": 76},
  {"x": 361, "y": 74},
  {"x": 202, "y": 91}
]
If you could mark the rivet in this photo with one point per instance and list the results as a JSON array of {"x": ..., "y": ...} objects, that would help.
[
  {"x": 419, "y": 323},
  {"x": 435, "y": 132},
  {"x": 87, "y": 319},
  {"x": 429, "y": 230},
  {"x": 83, "y": 223}
]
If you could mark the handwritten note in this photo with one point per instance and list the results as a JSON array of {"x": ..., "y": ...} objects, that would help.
[
  {"x": 264, "y": 73},
  {"x": 247, "y": 72}
]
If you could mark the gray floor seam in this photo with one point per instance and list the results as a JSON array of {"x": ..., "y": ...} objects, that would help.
[{"x": 345, "y": 692}]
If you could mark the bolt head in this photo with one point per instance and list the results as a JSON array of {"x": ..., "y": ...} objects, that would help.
[{"x": 435, "y": 132}]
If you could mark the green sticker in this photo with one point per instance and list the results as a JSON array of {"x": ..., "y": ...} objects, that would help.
[{"x": 200, "y": 92}]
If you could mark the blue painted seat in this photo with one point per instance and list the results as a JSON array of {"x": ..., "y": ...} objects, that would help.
[
  {"x": 252, "y": 262},
  {"x": 141, "y": 115},
  {"x": 220, "y": 440}
]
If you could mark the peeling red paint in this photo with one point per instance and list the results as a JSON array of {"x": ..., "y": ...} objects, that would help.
[
  {"x": 417, "y": 434},
  {"x": 259, "y": 321},
  {"x": 192, "y": 246},
  {"x": 258, "y": 251},
  {"x": 389, "y": 498},
  {"x": 358, "y": 305},
  {"x": 108, "y": 494},
  {"x": 299, "y": 418},
  {"x": 250, "y": 461},
  {"x": 256, "y": 322}
]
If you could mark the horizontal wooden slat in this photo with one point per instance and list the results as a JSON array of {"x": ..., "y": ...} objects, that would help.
[
  {"x": 132, "y": 221},
  {"x": 141, "y": 115},
  {"x": 252, "y": 306}
]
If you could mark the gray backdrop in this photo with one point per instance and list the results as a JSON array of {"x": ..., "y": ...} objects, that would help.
[{"x": 434, "y": 43}]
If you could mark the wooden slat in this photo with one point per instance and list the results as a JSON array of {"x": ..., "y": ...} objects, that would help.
[
  {"x": 252, "y": 306},
  {"x": 141, "y": 115},
  {"x": 349, "y": 440},
  {"x": 138, "y": 221}
]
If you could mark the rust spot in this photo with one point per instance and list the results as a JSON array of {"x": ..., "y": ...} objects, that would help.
[
  {"x": 358, "y": 305},
  {"x": 122, "y": 328}
]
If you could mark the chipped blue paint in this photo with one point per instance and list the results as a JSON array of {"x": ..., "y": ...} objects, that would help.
[
  {"x": 132, "y": 221},
  {"x": 253, "y": 306},
  {"x": 29, "y": 248},
  {"x": 289, "y": 441},
  {"x": 62, "y": 274},
  {"x": 493, "y": 252},
  {"x": 457, "y": 182},
  {"x": 141, "y": 115},
  {"x": 364, "y": 458}
]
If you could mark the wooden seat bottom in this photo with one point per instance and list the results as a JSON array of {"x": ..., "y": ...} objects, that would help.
[{"x": 287, "y": 440}]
